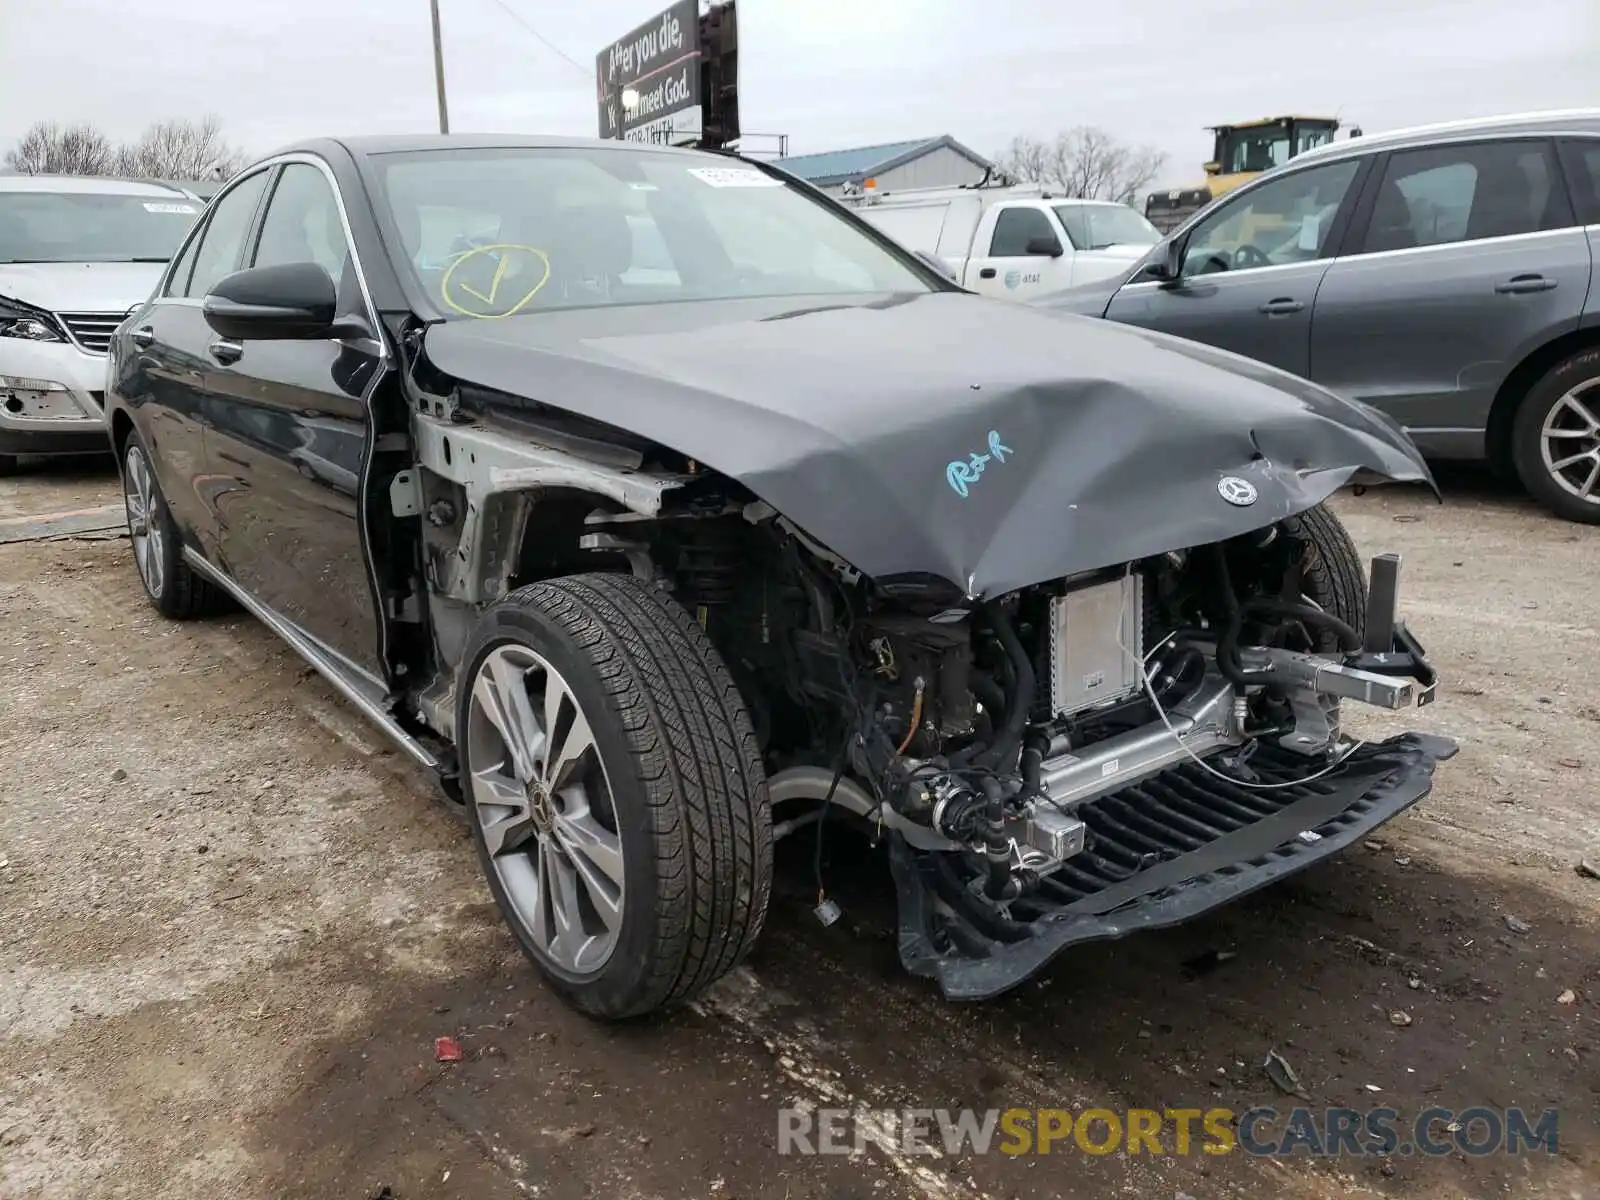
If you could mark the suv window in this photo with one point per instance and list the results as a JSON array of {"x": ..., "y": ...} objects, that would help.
[
  {"x": 302, "y": 223},
  {"x": 1582, "y": 160},
  {"x": 1450, "y": 194},
  {"x": 223, "y": 240},
  {"x": 1015, "y": 228},
  {"x": 1277, "y": 223}
]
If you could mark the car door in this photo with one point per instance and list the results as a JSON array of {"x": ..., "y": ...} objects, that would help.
[
  {"x": 1580, "y": 158},
  {"x": 1251, "y": 269},
  {"x": 1016, "y": 262},
  {"x": 163, "y": 374},
  {"x": 290, "y": 438},
  {"x": 1464, "y": 258}
]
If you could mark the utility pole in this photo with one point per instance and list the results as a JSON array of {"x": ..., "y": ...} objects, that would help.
[{"x": 438, "y": 68}]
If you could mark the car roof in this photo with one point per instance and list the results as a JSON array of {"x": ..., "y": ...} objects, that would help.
[
  {"x": 98, "y": 185},
  {"x": 1553, "y": 121},
  {"x": 369, "y": 144}
]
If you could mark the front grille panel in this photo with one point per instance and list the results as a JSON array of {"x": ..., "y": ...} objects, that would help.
[
  {"x": 92, "y": 331},
  {"x": 1183, "y": 809}
]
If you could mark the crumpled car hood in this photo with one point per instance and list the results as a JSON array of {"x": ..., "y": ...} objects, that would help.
[{"x": 984, "y": 442}]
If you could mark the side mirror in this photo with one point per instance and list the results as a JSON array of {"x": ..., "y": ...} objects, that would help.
[
  {"x": 1212, "y": 168},
  {"x": 1044, "y": 245},
  {"x": 1166, "y": 264},
  {"x": 292, "y": 301}
]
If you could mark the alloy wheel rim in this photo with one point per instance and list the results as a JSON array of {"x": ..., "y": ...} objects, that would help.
[
  {"x": 144, "y": 525},
  {"x": 1569, "y": 442},
  {"x": 544, "y": 805}
]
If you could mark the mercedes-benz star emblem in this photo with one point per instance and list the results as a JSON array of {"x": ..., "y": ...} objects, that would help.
[{"x": 1236, "y": 491}]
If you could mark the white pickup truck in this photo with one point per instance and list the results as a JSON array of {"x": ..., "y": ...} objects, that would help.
[{"x": 1013, "y": 242}]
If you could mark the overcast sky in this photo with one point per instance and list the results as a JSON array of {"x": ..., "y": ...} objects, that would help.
[{"x": 829, "y": 73}]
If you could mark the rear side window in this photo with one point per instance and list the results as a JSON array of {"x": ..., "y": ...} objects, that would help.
[
  {"x": 1015, "y": 228},
  {"x": 1582, "y": 161},
  {"x": 1465, "y": 193},
  {"x": 178, "y": 281},
  {"x": 223, "y": 240}
]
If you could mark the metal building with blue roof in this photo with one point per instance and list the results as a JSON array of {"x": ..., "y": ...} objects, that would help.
[{"x": 923, "y": 162}]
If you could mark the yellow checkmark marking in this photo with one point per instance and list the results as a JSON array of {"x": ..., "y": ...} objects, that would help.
[
  {"x": 494, "y": 284},
  {"x": 451, "y": 291}
]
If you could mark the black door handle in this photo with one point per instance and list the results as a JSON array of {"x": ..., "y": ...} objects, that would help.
[
  {"x": 1521, "y": 285},
  {"x": 1281, "y": 307},
  {"x": 143, "y": 337},
  {"x": 226, "y": 352},
  {"x": 986, "y": 273}
]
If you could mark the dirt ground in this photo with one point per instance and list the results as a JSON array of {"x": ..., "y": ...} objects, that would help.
[{"x": 233, "y": 922}]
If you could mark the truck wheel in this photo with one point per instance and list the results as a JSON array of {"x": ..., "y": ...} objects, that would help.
[
  {"x": 175, "y": 590},
  {"x": 1331, "y": 571},
  {"x": 1555, "y": 439},
  {"x": 615, "y": 791}
]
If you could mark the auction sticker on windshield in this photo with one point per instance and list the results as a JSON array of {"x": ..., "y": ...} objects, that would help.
[
  {"x": 733, "y": 177},
  {"x": 160, "y": 206}
]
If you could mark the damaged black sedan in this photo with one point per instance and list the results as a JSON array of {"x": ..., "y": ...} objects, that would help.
[{"x": 663, "y": 508}]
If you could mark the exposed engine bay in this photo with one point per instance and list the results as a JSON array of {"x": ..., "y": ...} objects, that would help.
[{"x": 977, "y": 734}]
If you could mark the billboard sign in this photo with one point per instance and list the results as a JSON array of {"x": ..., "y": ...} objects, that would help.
[{"x": 649, "y": 79}]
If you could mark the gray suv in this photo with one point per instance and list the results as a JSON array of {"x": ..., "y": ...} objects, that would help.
[{"x": 1443, "y": 274}]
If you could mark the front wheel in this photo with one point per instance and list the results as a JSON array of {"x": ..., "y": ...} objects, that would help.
[
  {"x": 1331, "y": 573},
  {"x": 1555, "y": 439},
  {"x": 615, "y": 789}
]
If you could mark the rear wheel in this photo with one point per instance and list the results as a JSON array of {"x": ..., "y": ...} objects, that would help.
[
  {"x": 615, "y": 791},
  {"x": 1555, "y": 439},
  {"x": 174, "y": 589}
]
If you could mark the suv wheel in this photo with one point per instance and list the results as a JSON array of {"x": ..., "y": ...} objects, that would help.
[
  {"x": 1555, "y": 440},
  {"x": 615, "y": 791},
  {"x": 174, "y": 589}
]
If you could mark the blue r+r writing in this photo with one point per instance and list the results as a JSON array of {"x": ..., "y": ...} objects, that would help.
[{"x": 964, "y": 472}]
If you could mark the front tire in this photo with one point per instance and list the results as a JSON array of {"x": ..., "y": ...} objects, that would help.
[
  {"x": 615, "y": 792},
  {"x": 1555, "y": 439},
  {"x": 1331, "y": 573},
  {"x": 175, "y": 590}
]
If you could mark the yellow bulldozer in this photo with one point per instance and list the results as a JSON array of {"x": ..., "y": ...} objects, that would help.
[{"x": 1242, "y": 151}]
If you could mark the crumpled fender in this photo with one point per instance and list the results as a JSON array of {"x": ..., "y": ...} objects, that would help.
[{"x": 980, "y": 441}]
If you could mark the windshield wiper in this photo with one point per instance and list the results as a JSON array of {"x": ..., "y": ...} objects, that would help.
[{"x": 162, "y": 259}]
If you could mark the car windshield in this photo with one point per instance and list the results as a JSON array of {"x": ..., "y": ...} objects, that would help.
[
  {"x": 490, "y": 233},
  {"x": 75, "y": 227},
  {"x": 1096, "y": 226}
]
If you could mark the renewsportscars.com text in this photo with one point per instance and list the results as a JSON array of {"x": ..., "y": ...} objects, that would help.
[{"x": 1262, "y": 1131}]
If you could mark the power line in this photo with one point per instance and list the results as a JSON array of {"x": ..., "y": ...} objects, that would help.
[{"x": 544, "y": 41}]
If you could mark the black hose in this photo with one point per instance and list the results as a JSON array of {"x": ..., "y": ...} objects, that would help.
[
  {"x": 1349, "y": 639},
  {"x": 1228, "y": 660},
  {"x": 997, "y": 846},
  {"x": 1002, "y": 756}
]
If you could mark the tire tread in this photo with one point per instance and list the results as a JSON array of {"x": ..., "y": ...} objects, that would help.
[{"x": 695, "y": 755}]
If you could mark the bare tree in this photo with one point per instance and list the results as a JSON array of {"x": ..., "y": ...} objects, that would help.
[
  {"x": 180, "y": 149},
  {"x": 51, "y": 149},
  {"x": 1085, "y": 162}
]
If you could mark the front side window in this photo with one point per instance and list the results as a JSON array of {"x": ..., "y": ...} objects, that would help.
[
  {"x": 223, "y": 240},
  {"x": 78, "y": 227},
  {"x": 1097, "y": 226},
  {"x": 302, "y": 223},
  {"x": 490, "y": 233},
  {"x": 1015, "y": 229},
  {"x": 1463, "y": 193},
  {"x": 1278, "y": 223}
]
